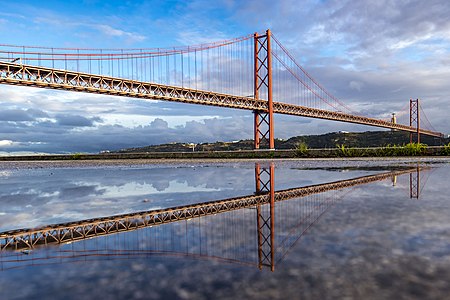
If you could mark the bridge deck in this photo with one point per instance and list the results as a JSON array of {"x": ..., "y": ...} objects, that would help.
[{"x": 26, "y": 75}]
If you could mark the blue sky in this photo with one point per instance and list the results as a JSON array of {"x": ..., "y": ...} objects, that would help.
[{"x": 373, "y": 55}]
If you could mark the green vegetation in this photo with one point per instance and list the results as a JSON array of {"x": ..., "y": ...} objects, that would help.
[
  {"x": 76, "y": 156},
  {"x": 446, "y": 149},
  {"x": 413, "y": 149},
  {"x": 301, "y": 149},
  {"x": 348, "y": 152}
]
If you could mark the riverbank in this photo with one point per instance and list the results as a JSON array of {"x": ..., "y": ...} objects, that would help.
[{"x": 253, "y": 154}]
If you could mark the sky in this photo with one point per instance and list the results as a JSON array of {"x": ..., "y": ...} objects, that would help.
[{"x": 373, "y": 55}]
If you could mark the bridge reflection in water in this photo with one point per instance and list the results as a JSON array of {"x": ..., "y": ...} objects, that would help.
[{"x": 257, "y": 230}]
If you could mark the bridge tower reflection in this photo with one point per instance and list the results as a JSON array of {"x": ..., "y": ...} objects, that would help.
[
  {"x": 265, "y": 184},
  {"x": 414, "y": 184}
]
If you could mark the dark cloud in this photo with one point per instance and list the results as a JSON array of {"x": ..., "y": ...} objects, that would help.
[
  {"x": 60, "y": 139},
  {"x": 159, "y": 124},
  {"x": 21, "y": 115},
  {"x": 370, "y": 24},
  {"x": 76, "y": 120},
  {"x": 36, "y": 113},
  {"x": 76, "y": 191},
  {"x": 51, "y": 138}
]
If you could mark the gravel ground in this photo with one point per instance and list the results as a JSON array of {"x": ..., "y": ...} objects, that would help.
[{"x": 319, "y": 162}]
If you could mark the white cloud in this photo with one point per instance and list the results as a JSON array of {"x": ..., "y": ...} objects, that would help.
[
  {"x": 135, "y": 120},
  {"x": 410, "y": 41},
  {"x": 356, "y": 85},
  {"x": 114, "y": 32},
  {"x": 7, "y": 143},
  {"x": 197, "y": 37}
]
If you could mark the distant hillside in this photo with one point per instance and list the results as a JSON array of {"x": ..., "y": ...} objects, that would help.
[
  {"x": 329, "y": 140},
  {"x": 358, "y": 139}
]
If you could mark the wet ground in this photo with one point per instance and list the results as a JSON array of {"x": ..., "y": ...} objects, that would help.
[{"x": 388, "y": 238}]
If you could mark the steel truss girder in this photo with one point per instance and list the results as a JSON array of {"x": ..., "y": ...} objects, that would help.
[
  {"x": 25, "y": 75},
  {"x": 298, "y": 110},
  {"x": 73, "y": 231}
]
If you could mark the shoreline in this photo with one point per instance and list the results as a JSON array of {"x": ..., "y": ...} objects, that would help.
[
  {"x": 335, "y": 153},
  {"x": 352, "y": 161}
]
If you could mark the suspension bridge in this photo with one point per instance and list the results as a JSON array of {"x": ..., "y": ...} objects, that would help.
[
  {"x": 259, "y": 229},
  {"x": 255, "y": 72}
]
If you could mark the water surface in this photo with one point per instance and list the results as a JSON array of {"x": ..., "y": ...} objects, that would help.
[{"x": 381, "y": 240}]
